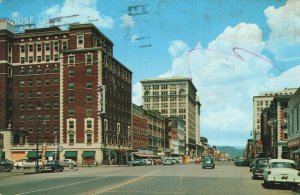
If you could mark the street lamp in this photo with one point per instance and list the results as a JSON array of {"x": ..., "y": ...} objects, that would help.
[
  {"x": 55, "y": 144},
  {"x": 37, "y": 145}
]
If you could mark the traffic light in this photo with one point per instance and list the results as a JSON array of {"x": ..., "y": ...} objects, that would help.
[{"x": 101, "y": 90}]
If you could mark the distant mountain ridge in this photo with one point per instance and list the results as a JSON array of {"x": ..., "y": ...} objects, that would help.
[{"x": 231, "y": 150}]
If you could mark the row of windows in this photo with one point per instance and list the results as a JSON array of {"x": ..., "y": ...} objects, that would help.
[
  {"x": 38, "y": 46},
  {"x": 88, "y": 59},
  {"x": 31, "y": 117},
  {"x": 88, "y": 111},
  {"x": 38, "y": 94},
  {"x": 38, "y": 106},
  {"x": 31, "y": 71},
  {"x": 164, "y": 99},
  {"x": 30, "y": 83},
  {"x": 31, "y": 59}
]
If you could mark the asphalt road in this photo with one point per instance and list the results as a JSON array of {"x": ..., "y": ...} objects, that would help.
[{"x": 156, "y": 179}]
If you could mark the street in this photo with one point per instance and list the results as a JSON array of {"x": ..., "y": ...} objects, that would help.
[{"x": 226, "y": 178}]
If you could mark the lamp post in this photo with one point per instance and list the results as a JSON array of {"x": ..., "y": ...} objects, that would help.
[
  {"x": 55, "y": 144},
  {"x": 37, "y": 145},
  {"x": 119, "y": 145}
]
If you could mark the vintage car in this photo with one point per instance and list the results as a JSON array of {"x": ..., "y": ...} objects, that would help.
[
  {"x": 52, "y": 166},
  {"x": 259, "y": 165},
  {"x": 167, "y": 162},
  {"x": 68, "y": 163},
  {"x": 5, "y": 165},
  {"x": 136, "y": 162},
  {"x": 281, "y": 171},
  {"x": 208, "y": 161}
]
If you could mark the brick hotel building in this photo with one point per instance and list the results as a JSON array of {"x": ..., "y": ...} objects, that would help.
[{"x": 63, "y": 88}]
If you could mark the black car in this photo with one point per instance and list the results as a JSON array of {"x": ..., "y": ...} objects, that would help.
[
  {"x": 5, "y": 165},
  {"x": 53, "y": 166},
  {"x": 259, "y": 166},
  {"x": 208, "y": 161}
]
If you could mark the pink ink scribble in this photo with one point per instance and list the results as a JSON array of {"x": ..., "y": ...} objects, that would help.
[{"x": 234, "y": 54}]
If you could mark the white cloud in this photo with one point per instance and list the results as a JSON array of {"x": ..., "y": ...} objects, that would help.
[
  {"x": 137, "y": 94},
  {"x": 284, "y": 39},
  {"x": 127, "y": 21},
  {"x": 133, "y": 38},
  {"x": 15, "y": 14},
  {"x": 227, "y": 81},
  {"x": 177, "y": 47},
  {"x": 86, "y": 12}
]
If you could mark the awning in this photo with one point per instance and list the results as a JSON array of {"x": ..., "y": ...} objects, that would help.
[
  {"x": 70, "y": 154},
  {"x": 113, "y": 153},
  {"x": 88, "y": 154},
  {"x": 32, "y": 154},
  {"x": 146, "y": 155},
  {"x": 297, "y": 151},
  {"x": 49, "y": 153}
]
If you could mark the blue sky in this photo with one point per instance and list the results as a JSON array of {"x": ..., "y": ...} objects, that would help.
[{"x": 232, "y": 49}]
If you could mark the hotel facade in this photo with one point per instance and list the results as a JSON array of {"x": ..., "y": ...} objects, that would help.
[{"x": 64, "y": 94}]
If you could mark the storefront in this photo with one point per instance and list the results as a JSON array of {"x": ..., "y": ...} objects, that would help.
[
  {"x": 88, "y": 157},
  {"x": 71, "y": 155}
]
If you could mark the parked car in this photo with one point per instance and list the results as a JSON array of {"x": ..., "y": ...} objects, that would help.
[
  {"x": 259, "y": 164},
  {"x": 52, "y": 166},
  {"x": 208, "y": 161},
  {"x": 281, "y": 171},
  {"x": 137, "y": 162},
  {"x": 147, "y": 162},
  {"x": 5, "y": 165},
  {"x": 167, "y": 162},
  {"x": 26, "y": 164},
  {"x": 157, "y": 161},
  {"x": 68, "y": 163},
  {"x": 242, "y": 162}
]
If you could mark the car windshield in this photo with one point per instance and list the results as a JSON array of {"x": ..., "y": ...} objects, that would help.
[
  {"x": 282, "y": 165},
  {"x": 262, "y": 161}
]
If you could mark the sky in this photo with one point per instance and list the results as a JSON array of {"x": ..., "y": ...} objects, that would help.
[{"x": 231, "y": 49}]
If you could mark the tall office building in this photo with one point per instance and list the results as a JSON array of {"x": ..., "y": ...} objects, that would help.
[{"x": 175, "y": 97}]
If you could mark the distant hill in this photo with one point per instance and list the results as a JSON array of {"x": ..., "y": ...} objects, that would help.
[{"x": 232, "y": 151}]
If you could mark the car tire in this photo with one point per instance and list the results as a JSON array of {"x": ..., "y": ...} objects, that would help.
[{"x": 267, "y": 184}]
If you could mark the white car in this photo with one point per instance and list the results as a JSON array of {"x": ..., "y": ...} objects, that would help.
[{"x": 281, "y": 171}]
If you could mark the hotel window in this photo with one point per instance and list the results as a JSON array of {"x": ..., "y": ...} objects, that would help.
[
  {"x": 71, "y": 124},
  {"x": 39, "y": 58},
  {"x": 89, "y": 71},
  {"x": 47, "y": 58},
  {"x": 47, "y": 46},
  {"x": 39, "y": 47},
  {"x": 30, "y": 94},
  {"x": 89, "y": 85},
  {"x": 164, "y": 87},
  {"x": 22, "y": 107},
  {"x": 164, "y": 99},
  {"x": 47, "y": 117},
  {"x": 71, "y": 86},
  {"x": 22, "y": 118},
  {"x": 47, "y": 94},
  {"x": 71, "y": 138},
  {"x": 30, "y": 71},
  {"x": 64, "y": 45},
  {"x": 71, "y": 72},
  {"x": 89, "y": 124},
  {"x": 47, "y": 70},
  {"x": 55, "y": 81},
  {"x": 56, "y": 46},
  {"x": 71, "y": 98},
  {"x": 30, "y": 106},
  {"x": 30, "y": 83},
  {"x": 155, "y": 99},
  {"x": 56, "y": 69},
  {"x": 55, "y": 57},
  {"x": 80, "y": 41},
  {"x": 39, "y": 106},
  {"x": 39, "y": 71},
  {"x": 71, "y": 112},
  {"x": 173, "y": 98},
  {"x": 22, "y": 95},
  {"x": 22, "y": 72},
  {"x": 155, "y": 93},
  {"x": 38, "y": 82},
  {"x": 155, "y": 87},
  {"x": 71, "y": 59},
  {"x": 89, "y": 112},
  {"x": 89, "y": 98},
  {"x": 30, "y": 48},
  {"x": 47, "y": 82},
  {"x": 30, "y": 59},
  {"x": 47, "y": 105},
  {"x": 55, "y": 117},
  {"x": 88, "y": 59},
  {"x": 55, "y": 105},
  {"x": 55, "y": 94},
  {"x": 22, "y": 60},
  {"x": 30, "y": 117},
  {"x": 22, "y": 48},
  {"x": 38, "y": 94},
  {"x": 89, "y": 138}
]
